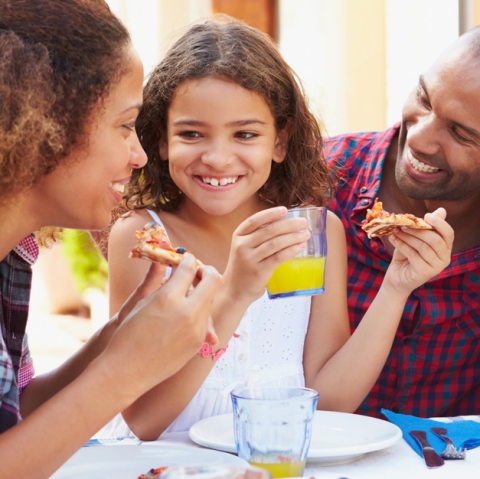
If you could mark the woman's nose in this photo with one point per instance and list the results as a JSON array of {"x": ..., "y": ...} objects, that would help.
[{"x": 138, "y": 157}]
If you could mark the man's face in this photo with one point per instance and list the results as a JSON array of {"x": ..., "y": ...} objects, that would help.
[{"x": 439, "y": 144}]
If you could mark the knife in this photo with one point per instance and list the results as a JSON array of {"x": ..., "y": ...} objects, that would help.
[{"x": 432, "y": 459}]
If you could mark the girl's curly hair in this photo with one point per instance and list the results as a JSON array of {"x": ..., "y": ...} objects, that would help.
[
  {"x": 229, "y": 49},
  {"x": 58, "y": 59}
]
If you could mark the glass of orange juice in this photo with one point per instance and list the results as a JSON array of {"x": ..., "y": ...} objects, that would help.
[
  {"x": 273, "y": 427},
  {"x": 305, "y": 273}
]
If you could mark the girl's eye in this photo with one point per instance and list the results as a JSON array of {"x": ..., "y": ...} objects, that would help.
[
  {"x": 246, "y": 135},
  {"x": 190, "y": 134}
]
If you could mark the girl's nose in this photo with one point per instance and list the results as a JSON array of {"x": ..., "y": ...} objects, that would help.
[
  {"x": 138, "y": 157},
  {"x": 218, "y": 155}
]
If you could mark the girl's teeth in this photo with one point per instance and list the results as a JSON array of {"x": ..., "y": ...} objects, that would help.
[{"x": 221, "y": 182}]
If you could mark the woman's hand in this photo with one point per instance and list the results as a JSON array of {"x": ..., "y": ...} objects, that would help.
[
  {"x": 259, "y": 245},
  {"x": 419, "y": 254},
  {"x": 165, "y": 328}
]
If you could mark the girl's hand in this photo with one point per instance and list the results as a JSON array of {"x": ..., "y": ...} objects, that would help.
[
  {"x": 259, "y": 245},
  {"x": 419, "y": 254}
]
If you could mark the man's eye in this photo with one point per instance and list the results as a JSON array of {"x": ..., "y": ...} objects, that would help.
[
  {"x": 460, "y": 137},
  {"x": 422, "y": 99},
  {"x": 190, "y": 134},
  {"x": 246, "y": 135}
]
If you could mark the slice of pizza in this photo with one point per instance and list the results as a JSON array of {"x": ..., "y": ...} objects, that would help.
[
  {"x": 154, "y": 245},
  {"x": 380, "y": 223}
]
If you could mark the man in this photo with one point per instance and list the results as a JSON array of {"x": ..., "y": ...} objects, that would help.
[{"x": 431, "y": 159}]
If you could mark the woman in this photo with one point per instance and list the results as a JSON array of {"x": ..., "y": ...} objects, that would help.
[{"x": 71, "y": 89}]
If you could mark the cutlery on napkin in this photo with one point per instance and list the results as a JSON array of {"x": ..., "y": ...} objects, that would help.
[
  {"x": 432, "y": 459},
  {"x": 463, "y": 433}
]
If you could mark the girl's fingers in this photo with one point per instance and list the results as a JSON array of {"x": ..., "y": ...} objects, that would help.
[
  {"x": 276, "y": 229},
  {"x": 280, "y": 243},
  {"x": 275, "y": 260},
  {"x": 261, "y": 218}
]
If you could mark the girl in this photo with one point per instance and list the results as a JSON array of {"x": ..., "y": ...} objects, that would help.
[
  {"x": 70, "y": 90},
  {"x": 231, "y": 145}
]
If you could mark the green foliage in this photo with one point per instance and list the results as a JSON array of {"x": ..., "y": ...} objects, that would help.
[{"x": 89, "y": 267}]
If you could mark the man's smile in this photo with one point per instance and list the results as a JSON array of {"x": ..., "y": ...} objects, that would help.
[{"x": 419, "y": 165}]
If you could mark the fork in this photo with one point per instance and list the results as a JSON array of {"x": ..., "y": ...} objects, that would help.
[{"x": 451, "y": 452}]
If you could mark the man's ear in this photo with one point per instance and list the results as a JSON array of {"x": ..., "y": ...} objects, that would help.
[
  {"x": 163, "y": 149},
  {"x": 280, "y": 147}
]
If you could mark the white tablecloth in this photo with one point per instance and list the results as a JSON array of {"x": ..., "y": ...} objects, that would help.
[{"x": 398, "y": 461}]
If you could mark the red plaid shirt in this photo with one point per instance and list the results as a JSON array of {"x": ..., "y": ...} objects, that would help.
[{"x": 433, "y": 368}]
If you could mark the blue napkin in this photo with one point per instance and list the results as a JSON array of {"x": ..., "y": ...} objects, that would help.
[{"x": 465, "y": 434}]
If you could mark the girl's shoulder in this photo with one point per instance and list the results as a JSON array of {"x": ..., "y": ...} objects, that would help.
[
  {"x": 334, "y": 224},
  {"x": 122, "y": 232}
]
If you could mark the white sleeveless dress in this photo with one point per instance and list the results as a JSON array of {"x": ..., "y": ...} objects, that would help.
[{"x": 268, "y": 352}]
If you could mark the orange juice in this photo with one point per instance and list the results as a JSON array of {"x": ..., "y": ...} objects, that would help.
[
  {"x": 299, "y": 274},
  {"x": 282, "y": 469}
]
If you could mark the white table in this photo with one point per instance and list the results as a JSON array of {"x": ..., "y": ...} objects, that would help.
[{"x": 398, "y": 461}]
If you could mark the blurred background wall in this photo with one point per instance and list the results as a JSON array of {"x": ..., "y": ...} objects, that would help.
[{"x": 358, "y": 59}]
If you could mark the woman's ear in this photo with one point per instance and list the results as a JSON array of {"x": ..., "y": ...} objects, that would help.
[
  {"x": 163, "y": 149},
  {"x": 280, "y": 147}
]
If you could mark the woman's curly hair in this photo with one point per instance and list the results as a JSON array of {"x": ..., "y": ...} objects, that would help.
[
  {"x": 58, "y": 60},
  {"x": 229, "y": 49}
]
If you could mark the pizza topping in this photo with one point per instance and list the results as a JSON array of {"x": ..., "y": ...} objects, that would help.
[{"x": 380, "y": 223}]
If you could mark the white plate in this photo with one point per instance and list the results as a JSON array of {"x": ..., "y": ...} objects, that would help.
[
  {"x": 128, "y": 462},
  {"x": 337, "y": 437}
]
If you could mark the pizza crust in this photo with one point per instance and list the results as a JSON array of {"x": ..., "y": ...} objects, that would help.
[{"x": 153, "y": 252}]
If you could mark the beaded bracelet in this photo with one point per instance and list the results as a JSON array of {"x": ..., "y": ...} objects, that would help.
[{"x": 207, "y": 350}]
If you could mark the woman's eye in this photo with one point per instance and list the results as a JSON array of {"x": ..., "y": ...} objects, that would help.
[
  {"x": 130, "y": 126},
  {"x": 190, "y": 134},
  {"x": 245, "y": 135}
]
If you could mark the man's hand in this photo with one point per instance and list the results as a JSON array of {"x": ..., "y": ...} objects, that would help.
[{"x": 419, "y": 254}]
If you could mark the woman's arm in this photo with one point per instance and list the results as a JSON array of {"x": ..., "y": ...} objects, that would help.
[
  {"x": 256, "y": 251},
  {"x": 345, "y": 369},
  {"x": 132, "y": 363}
]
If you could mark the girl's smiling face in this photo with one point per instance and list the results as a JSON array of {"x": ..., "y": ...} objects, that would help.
[{"x": 221, "y": 140}]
